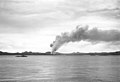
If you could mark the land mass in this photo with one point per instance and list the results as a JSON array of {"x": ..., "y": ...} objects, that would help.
[{"x": 57, "y": 53}]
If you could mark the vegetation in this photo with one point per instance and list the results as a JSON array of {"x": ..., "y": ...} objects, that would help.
[{"x": 49, "y": 53}]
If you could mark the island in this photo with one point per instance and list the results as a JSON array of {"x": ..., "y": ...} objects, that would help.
[{"x": 58, "y": 53}]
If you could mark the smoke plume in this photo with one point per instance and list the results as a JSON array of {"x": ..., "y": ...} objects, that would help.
[{"x": 84, "y": 33}]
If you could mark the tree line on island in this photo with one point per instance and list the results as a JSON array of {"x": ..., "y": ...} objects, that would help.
[{"x": 57, "y": 53}]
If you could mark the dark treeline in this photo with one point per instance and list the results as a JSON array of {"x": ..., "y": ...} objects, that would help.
[
  {"x": 57, "y": 53},
  {"x": 98, "y": 53},
  {"x": 24, "y": 53}
]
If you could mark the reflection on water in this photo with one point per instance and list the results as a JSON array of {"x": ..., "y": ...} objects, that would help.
[{"x": 60, "y": 68}]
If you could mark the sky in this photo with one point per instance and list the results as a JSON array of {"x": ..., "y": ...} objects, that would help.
[{"x": 32, "y": 25}]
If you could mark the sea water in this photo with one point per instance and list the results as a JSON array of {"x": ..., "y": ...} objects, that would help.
[{"x": 60, "y": 69}]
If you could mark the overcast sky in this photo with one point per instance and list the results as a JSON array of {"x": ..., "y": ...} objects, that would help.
[{"x": 32, "y": 25}]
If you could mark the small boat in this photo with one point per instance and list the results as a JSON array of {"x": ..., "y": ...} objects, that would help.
[{"x": 21, "y": 56}]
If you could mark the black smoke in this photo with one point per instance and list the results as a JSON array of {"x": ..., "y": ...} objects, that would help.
[{"x": 84, "y": 33}]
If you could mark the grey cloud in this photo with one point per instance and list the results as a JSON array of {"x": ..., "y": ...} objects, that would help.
[
  {"x": 25, "y": 7},
  {"x": 23, "y": 14},
  {"x": 69, "y": 7},
  {"x": 80, "y": 7},
  {"x": 15, "y": 1}
]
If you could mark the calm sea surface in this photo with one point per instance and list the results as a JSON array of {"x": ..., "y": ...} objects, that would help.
[{"x": 60, "y": 69}]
